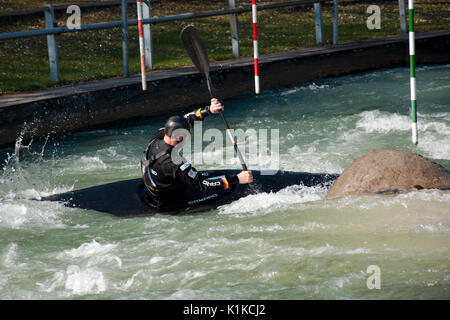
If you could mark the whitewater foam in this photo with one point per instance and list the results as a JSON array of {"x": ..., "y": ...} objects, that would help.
[
  {"x": 377, "y": 121},
  {"x": 15, "y": 216},
  {"x": 263, "y": 203},
  {"x": 90, "y": 250},
  {"x": 84, "y": 281}
]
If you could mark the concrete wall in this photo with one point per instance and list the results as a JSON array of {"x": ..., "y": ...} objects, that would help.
[{"x": 101, "y": 103}]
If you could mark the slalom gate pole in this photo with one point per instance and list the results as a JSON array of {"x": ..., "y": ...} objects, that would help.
[
  {"x": 141, "y": 44},
  {"x": 255, "y": 45},
  {"x": 412, "y": 66}
]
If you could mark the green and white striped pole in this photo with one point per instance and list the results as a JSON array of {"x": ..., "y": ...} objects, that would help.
[{"x": 412, "y": 53}]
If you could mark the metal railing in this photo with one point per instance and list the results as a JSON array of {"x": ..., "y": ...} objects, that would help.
[
  {"x": 15, "y": 15},
  {"x": 50, "y": 31}
]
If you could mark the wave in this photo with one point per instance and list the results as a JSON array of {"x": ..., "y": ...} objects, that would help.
[
  {"x": 263, "y": 203},
  {"x": 433, "y": 130}
]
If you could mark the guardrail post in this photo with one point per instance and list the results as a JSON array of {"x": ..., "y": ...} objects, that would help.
[
  {"x": 335, "y": 22},
  {"x": 318, "y": 22},
  {"x": 148, "y": 45},
  {"x": 51, "y": 43},
  {"x": 126, "y": 70},
  {"x": 234, "y": 31},
  {"x": 402, "y": 13}
]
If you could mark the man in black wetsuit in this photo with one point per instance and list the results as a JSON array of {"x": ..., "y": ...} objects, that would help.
[{"x": 167, "y": 179}]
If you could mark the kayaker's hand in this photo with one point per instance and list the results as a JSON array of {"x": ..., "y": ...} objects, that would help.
[
  {"x": 215, "y": 106},
  {"x": 245, "y": 177}
]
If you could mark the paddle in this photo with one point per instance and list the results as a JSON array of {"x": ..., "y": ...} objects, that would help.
[{"x": 197, "y": 52}]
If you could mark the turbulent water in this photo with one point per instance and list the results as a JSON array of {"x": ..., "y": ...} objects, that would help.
[{"x": 286, "y": 245}]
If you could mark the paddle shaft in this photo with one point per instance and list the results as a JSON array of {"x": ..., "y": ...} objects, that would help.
[
  {"x": 197, "y": 52},
  {"x": 233, "y": 140}
]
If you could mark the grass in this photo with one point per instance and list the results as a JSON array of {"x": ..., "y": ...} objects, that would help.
[{"x": 90, "y": 55}]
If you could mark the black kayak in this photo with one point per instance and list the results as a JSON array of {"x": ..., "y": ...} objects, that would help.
[{"x": 129, "y": 198}]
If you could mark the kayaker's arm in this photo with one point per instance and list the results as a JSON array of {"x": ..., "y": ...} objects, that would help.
[
  {"x": 222, "y": 182},
  {"x": 202, "y": 113},
  {"x": 189, "y": 176},
  {"x": 197, "y": 115}
]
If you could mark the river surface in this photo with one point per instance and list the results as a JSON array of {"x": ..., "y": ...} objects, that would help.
[{"x": 286, "y": 245}]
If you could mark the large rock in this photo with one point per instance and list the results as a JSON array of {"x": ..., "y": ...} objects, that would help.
[{"x": 388, "y": 170}]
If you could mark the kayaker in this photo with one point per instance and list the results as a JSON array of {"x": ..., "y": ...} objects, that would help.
[{"x": 167, "y": 179}]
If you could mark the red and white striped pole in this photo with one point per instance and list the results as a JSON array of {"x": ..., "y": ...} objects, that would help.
[
  {"x": 255, "y": 46},
  {"x": 141, "y": 44}
]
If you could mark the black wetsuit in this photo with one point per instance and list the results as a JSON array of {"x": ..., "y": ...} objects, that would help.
[{"x": 167, "y": 182}]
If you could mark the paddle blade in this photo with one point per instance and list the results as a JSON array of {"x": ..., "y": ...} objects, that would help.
[{"x": 195, "y": 49}]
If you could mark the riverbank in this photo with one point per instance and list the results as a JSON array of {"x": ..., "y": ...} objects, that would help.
[
  {"x": 102, "y": 103},
  {"x": 97, "y": 54}
]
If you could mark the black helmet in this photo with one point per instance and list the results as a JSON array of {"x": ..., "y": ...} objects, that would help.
[{"x": 174, "y": 123}]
